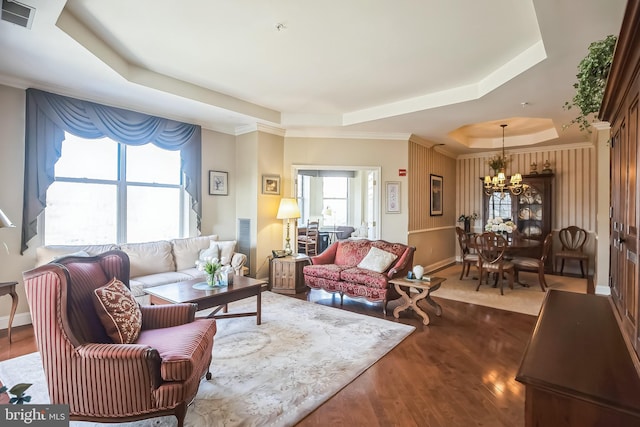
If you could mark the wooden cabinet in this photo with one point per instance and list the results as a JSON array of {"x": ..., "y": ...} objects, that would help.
[
  {"x": 531, "y": 210},
  {"x": 577, "y": 368},
  {"x": 533, "y": 207},
  {"x": 620, "y": 108},
  {"x": 286, "y": 274}
]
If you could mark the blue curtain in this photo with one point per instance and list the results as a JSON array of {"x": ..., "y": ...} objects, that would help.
[{"x": 49, "y": 116}]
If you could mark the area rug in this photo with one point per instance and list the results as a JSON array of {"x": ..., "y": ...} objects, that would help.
[
  {"x": 272, "y": 374},
  {"x": 519, "y": 299}
]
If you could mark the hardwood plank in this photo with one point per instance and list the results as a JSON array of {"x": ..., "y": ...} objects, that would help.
[{"x": 458, "y": 371}]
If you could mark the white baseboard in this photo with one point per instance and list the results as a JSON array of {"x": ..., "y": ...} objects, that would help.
[
  {"x": 603, "y": 290},
  {"x": 19, "y": 320}
]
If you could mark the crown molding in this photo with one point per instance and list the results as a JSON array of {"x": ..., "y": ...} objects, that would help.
[
  {"x": 339, "y": 134},
  {"x": 576, "y": 146}
]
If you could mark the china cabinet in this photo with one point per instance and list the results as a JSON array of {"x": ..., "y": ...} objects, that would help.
[{"x": 531, "y": 211}]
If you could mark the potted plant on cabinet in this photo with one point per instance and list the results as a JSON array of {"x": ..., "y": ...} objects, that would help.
[{"x": 592, "y": 75}]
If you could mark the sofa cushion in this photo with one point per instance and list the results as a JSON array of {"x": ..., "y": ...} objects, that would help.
[
  {"x": 222, "y": 250},
  {"x": 149, "y": 258},
  {"x": 179, "y": 347},
  {"x": 46, "y": 254},
  {"x": 325, "y": 271},
  {"x": 158, "y": 279},
  {"x": 193, "y": 273},
  {"x": 186, "y": 251},
  {"x": 137, "y": 288},
  {"x": 351, "y": 252},
  {"x": 395, "y": 248},
  {"x": 377, "y": 260},
  {"x": 118, "y": 311},
  {"x": 363, "y": 276}
]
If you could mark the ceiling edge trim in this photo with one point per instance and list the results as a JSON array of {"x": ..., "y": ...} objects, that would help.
[
  {"x": 549, "y": 148},
  {"x": 337, "y": 134},
  {"x": 83, "y": 35},
  {"x": 514, "y": 67}
]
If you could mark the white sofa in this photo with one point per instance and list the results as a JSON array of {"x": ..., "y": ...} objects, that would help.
[{"x": 156, "y": 263}]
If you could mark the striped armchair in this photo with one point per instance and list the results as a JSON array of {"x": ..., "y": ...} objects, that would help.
[{"x": 159, "y": 374}]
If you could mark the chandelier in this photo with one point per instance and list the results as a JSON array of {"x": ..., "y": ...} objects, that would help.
[{"x": 498, "y": 183}]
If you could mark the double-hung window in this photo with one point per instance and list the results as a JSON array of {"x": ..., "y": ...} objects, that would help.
[
  {"x": 106, "y": 192},
  {"x": 335, "y": 193}
]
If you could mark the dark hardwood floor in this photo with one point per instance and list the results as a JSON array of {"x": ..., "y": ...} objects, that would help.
[{"x": 458, "y": 371}]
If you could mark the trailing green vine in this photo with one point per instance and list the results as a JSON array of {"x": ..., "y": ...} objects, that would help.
[{"x": 592, "y": 75}]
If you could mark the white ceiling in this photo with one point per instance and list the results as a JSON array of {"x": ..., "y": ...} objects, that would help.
[{"x": 358, "y": 68}]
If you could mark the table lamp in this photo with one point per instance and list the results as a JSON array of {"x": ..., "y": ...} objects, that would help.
[{"x": 288, "y": 210}]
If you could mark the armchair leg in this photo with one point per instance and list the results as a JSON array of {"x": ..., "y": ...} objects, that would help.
[{"x": 180, "y": 413}]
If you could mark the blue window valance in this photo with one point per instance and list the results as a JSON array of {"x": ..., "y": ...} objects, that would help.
[{"x": 49, "y": 116}]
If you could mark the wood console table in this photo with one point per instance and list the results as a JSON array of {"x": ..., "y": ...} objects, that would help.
[
  {"x": 577, "y": 368},
  {"x": 9, "y": 288}
]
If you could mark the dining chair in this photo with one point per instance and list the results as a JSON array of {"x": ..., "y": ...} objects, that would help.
[
  {"x": 573, "y": 240},
  {"x": 468, "y": 258},
  {"x": 491, "y": 248},
  {"x": 534, "y": 264},
  {"x": 308, "y": 243}
]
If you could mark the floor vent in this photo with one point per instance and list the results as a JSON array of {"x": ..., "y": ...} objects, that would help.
[{"x": 17, "y": 13}]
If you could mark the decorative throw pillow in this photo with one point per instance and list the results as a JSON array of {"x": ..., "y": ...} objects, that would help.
[
  {"x": 377, "y": 260},
  {"x": 211, "y": 252},
  {"x": 118, "y": 311},
  {"x": 227, "y": 248}
]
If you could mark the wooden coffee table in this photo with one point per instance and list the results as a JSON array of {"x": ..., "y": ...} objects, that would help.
[
  {"x": 425, "y": 289},
  {"x": 183, "y": 292}
]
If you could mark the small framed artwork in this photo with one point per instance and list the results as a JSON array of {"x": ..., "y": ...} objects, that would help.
[
  {"x": 437, "y": 186},
  {"x": 271, "y": 184},
  {"x": 393, "y": 197},
  {"x": 218, "y": 183}
]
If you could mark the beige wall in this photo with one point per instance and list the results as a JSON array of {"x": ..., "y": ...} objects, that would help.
[
  {"x": 218, "y": 153},
  {"x": 12, "y": 264},
  {"x": 432, "y": 236},
  {"x": 389, "y": 155},
  {"x": 574, "y": 187}
]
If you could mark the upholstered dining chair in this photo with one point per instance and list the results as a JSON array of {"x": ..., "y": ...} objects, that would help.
[
  {"x": 155, "y": 371},
  {"x": 573, "y": 240},
  {"x": 535, "y": 264},
  {"x": 468, "y": 258},
  {"x": 491, "y": 248},
  {"x": 308, "y": 243}
]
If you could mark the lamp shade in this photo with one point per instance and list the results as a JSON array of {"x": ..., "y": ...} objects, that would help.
[
  {"x": 4, "y": 220},
  {"x": 288, "y": 209}
]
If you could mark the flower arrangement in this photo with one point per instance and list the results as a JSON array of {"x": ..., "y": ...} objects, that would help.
[
  {"x": 498, "y": 162},
  {"x": 499, "y": 225},
  {"x": 464, "y": 218},
  {"x": 212, "y": 268}
]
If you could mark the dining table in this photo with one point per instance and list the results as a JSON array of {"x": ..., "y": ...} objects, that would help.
[{"x": 516, "y": 244}]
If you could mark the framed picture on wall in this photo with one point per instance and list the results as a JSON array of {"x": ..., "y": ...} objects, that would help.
[
  {"x": 218, "y": 183},
  {"x": 393, "y": 197},
  {"x": 437, "y": 185},
  {"x": 271, "y": 184}
]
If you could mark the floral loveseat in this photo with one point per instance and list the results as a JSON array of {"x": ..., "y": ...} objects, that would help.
[
  {"x": 346, "y": 267},
  {"x": 157, "y": 263}
]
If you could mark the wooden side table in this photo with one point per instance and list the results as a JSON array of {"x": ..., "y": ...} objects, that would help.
[
  {"x": 425, "y": 288},
  {"x": 286, "y": 274},
  {"x": 9, "y": 288}
]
